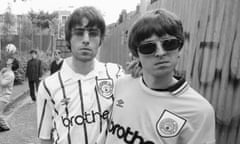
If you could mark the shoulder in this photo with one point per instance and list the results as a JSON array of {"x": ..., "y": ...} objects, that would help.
[
  {"x": 9, "y": 73},
  {"x": 53, "y": 62},
  {"x": 112, "y": 69},
  {"x": 112, "y": 66},
  {"x": 52, "y": 78},
  {"x": 51, "y": 82},
  {"x": 127, "y": 79},
  {"x": 199, "y": 103}
]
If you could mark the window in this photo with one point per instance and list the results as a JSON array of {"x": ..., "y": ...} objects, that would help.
[{"x": 64, "y": 18}]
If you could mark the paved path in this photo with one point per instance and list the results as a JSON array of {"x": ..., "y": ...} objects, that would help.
[
  {"x": 23, "y": 125},
  {"x": 21, "y": 114}
]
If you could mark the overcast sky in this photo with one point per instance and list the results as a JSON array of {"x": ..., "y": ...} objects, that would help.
[{"x": 109, "y": 8}]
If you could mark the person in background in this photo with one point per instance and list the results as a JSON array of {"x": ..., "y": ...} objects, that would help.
[
  {"x": 33, "y": 73},
  {"x": 6, "y": 87},
  {"x": 57, "y": 62},
  {"x": 157, "y": 107},
  {"x": 73, "y": 103}
]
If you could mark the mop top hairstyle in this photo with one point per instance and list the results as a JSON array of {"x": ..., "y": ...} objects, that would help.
[
  {"x": 159, "y": 22},
  {"x": 94, "y": 17}
]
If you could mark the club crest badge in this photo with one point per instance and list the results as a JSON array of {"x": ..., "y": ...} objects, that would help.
[
  {"x": 105, "y": 87},
  {"x": 170, "y": 124}
]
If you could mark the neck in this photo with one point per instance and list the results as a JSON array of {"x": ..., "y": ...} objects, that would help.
[
  {"x": 159, "y": 82},
  {"x": 58, "y": 59},
  {"x": 81, "y": 67}
]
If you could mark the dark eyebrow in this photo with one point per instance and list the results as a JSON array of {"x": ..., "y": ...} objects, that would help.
[{"x": 78, "y": 29}]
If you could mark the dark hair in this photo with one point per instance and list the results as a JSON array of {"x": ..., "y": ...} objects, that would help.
[
  {"x": 159, "y": 22},
  {"x": 15, "y": 64},
  {"x": 33, "y": 51},
  {"x": 92, "y": 14}
]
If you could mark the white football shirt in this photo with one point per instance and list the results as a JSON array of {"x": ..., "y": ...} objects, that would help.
[
  {"x": 145, "y": 116},
  {"x": 72, "y": 108}
]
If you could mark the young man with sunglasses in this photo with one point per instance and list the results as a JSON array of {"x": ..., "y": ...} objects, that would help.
[
  {"x": 157, "y": 107},
  {"x": 73, "y": 103}
]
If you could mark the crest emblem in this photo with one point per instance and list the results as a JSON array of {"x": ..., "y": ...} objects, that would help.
[
  {"x": 170, "y": 124},
  {"x": 105, "y": 87}
]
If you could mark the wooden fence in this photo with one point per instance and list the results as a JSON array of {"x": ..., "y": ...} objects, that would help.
[{"x": 210, "y": 58}]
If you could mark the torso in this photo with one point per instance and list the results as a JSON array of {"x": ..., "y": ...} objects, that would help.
[
  {"x": 141, "y": 115},
  {"x": 81, "y": 104}
]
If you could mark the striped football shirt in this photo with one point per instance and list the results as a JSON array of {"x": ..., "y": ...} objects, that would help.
[{"x": 72, "y": 108}]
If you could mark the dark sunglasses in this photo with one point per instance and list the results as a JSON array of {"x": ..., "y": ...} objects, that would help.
[
  {"x": 92, "y": 32},
  {"x": 151, "y": 46}
]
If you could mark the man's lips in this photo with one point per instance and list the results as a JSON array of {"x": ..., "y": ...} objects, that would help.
[
  {"x": 85, "y": 49},
  {"x": 161, "y": 62}
]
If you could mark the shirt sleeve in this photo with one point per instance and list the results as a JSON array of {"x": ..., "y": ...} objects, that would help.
[
  {"x": 202, "y": 128},
  {"x": 44, "y": 112},
  {"x": 102, "y": 137},
  {"x": 115, "y": 70},
  {"x": 7, "y": 78}
]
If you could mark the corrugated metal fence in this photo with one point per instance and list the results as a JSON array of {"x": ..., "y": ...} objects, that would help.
[{"x": 210, "y": 58}]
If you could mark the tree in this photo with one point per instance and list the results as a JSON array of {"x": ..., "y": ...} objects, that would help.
[
  {"x": 44, "y": 20},
  {"x": 25, "y": 33},
  {"x": 9, "y": 22}
]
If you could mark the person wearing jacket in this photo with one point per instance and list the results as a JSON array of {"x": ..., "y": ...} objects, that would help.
[
  {"x": 57, "y": 62},
  {"x": 33, "y": 73}
]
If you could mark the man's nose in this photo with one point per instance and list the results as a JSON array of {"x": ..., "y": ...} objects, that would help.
[
  {"x": 159, "y": 51},
  {"x": 86, "y": 38}
]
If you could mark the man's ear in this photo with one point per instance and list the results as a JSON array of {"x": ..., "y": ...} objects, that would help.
[{"x": 101, "y": 40}]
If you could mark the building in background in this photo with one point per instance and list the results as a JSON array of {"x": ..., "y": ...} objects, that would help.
[{"x": 62, "y": 18}]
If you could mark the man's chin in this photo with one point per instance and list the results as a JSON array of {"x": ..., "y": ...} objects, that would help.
[{"x": 85, "y": 58}]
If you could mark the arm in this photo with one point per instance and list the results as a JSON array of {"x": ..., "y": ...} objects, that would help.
[
  {"x": 203, "y": 129},
  {"x": 44, "y": 114},
  {"x": 6, "y": 78},
  {"x": 101, "y": 139},
  {"x": 27, "y": 69}
]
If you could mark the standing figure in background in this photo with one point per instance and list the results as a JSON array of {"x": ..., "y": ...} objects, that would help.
[
  {"x": 33, "y": 73},
  {"x": 57, "y": 62},
  {"x": 6, "y": 87}
]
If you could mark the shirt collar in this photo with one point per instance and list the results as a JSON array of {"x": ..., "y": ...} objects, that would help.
[
  {"x": 175, "y": 90},
  {"x": 68, "y": 74}
]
